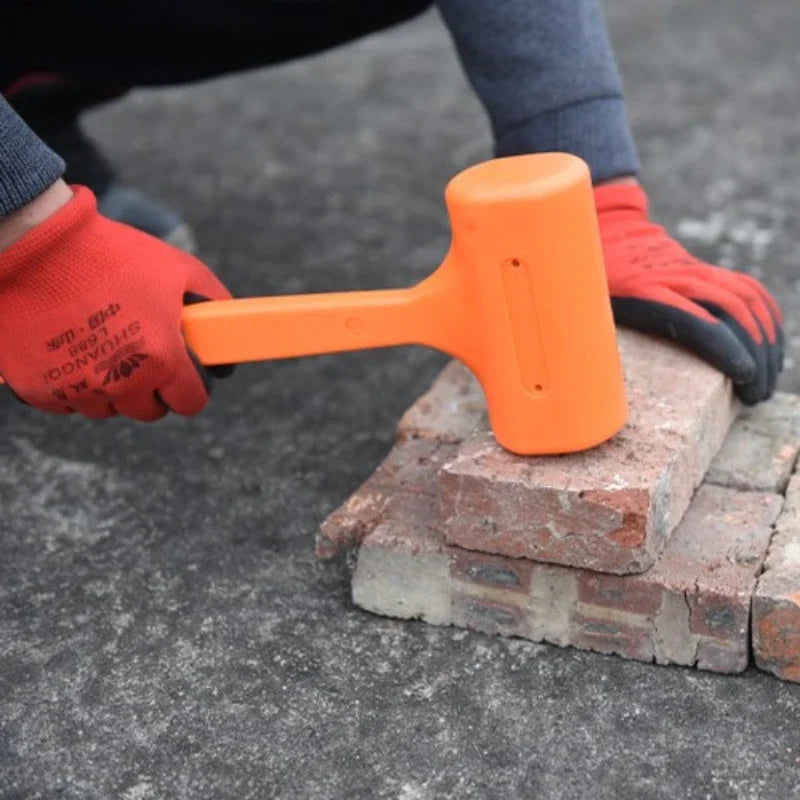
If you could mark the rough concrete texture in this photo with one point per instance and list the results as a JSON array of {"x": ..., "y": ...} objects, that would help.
[
  {"x": 692, "y": 607},
  {"x": 760, "y": 452},
  {"x": 776, "y": 603},
  {"x": 165, "y": 630},
  {"x": 611, "y": 508}
]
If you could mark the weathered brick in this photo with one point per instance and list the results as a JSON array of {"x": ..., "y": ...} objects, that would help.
[
  {"x": 612, "y": 636},
  {"x": 409, "y": 469},
  {"x": 551, "y": 602},
  {"x": 715, "y": 656},
  {"x": 776, "y": 601},
  {"x": 700, "y": 410},
  {"x": 454, "y": 405},
  {"x": 449, "y": 411},
  {"x": 411, "y": 466},
  {"x": 673, "y": 642},
  {"x": 712, "y": 561},
  {"x": 776, "y": 636},
  {"x": 347, "y": 525},
  {"x": 723, "y": 616},
  {"x": 511, "y": 574},
  {"x": 698, "y": 592},
  {"x": 609, "y": 509},
  {"x": 403, "y": 572},
  {"x": 761, "y": 448},
  {"x": 691, "y": 607},
  {"x": 487, "y": 616},
  {"x": 619, "y": 591}
]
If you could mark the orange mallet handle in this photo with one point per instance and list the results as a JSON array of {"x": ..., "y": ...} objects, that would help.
[{"x": 266, "y": 328}]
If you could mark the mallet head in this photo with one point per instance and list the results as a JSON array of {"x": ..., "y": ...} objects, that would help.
[{"x": 537, "y": 328}]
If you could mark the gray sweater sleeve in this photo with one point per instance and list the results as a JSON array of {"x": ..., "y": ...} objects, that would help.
[
  {"x": 546, "y": 74},
  {"x": 27, "y": 165}
]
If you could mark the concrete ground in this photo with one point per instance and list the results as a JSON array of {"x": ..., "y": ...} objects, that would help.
[{"x": 165, "y": 631}]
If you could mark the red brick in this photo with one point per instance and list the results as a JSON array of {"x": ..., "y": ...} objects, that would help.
[
  {"x": 698, "y": 592},
  {"x": 761, "y": 448},
  {"x": 612, "y": 637},
  {"x": 504, "y": 573},
  {"x": 776, "y": 601},
  {"x": 409, "y": 469},
  {"x": 487, "y": 616},
  {"x": 717, "y": 656},
  {"x": 691, "y": 607},
  {"x": 713, "y": 558},
  {"x": 609, "y": 509},
  {"x": 624, "y": 592},
  {"x": 776, "y": 636},
  {"x": 449, "y": 411},
  {"x": 723, "y": 616},
  {"x": 412, "y": 465},
  {"x": 351, "y": 522}
]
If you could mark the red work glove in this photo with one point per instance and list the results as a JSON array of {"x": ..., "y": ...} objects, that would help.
[
  {"x": 90, "y": 314},
  {"x": 727, "y": 318}
]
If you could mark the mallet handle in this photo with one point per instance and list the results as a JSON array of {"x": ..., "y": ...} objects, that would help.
[
  {"x": 266, "y": 328},
  {"x": 290, "y": 326}
]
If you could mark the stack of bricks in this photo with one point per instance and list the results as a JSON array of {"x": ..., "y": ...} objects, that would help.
[{"x": 677, "y": 542}]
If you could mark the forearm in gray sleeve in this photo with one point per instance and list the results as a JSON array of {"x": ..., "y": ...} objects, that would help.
[
  {"x": 547, "y": 76},
  {"x": 27, "y": 165}
]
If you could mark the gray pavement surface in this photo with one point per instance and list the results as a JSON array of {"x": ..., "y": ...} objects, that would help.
[{"x": 165, "y": 631}]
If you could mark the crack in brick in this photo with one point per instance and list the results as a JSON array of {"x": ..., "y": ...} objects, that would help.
[
  {"x": 751, "y": 654},
  {"x": 696, "y": 643},
  {"x": 774, "y": 532}
]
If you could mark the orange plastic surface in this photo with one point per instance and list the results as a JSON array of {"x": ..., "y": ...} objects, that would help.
[{"x": 521, "y": 298}]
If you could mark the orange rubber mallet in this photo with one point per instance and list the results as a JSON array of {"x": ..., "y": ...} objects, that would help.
[{"x": 521, "y": 299}]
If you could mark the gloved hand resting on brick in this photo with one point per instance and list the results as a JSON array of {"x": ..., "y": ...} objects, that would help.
[
  {"x": 544, "y": 72},
  {"x": 728, "y": 318}
]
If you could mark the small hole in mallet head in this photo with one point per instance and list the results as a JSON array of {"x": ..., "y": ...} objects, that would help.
[
  {"x": 515, "y": 262},
  {"x": 539, "y": 387}
]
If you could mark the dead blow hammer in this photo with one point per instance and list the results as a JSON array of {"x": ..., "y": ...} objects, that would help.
[{"x": 521, "y": 299}]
